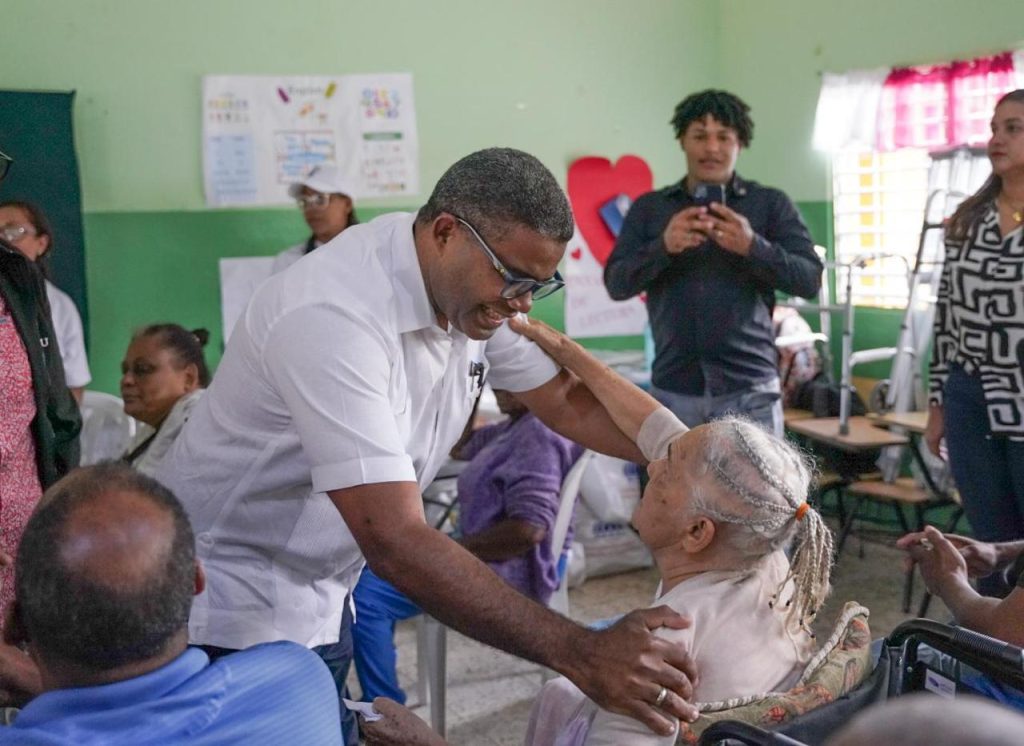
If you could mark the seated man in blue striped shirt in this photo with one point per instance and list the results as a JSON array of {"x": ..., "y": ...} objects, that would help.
[{"x": 105, "y": 573}]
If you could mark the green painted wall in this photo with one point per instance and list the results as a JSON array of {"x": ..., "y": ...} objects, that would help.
[
  {"x": 559, "y": 79},
  {"x": 772, "y": 54}
]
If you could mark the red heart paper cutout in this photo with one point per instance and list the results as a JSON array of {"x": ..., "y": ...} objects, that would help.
[
  {"x": 576, "y": 253},
  {"x": 592, "y": 182}
]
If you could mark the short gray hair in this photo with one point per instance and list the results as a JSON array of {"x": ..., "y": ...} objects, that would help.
[
  {"x": 767, "y": 481},
  {"x": 498, "y": 188}
]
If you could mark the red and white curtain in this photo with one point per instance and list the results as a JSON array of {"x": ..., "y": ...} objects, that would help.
[{"x": 934, "y": 107}]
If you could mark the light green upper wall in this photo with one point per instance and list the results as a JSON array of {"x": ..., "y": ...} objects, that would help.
[
  {"x": 560, "y": 78},
  {"x": 771, "y": 53}
]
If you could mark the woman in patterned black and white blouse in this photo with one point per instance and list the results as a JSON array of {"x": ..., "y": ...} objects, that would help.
[{"x": 977, "y": 369}]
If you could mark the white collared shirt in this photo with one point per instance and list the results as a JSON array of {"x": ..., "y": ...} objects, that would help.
[
  {"x": 336, "y": 375},
  {"x": 67, "y": 323}
]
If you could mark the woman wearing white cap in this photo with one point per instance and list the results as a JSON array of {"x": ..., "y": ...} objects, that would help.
[{"x": 324, "y": 196}]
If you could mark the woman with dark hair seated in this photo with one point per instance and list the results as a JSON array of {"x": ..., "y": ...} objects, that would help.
[{"x": 163, "y": 375}]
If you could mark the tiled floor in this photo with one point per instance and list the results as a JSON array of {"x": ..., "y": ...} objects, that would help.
[{"x": 490, "y": 693}]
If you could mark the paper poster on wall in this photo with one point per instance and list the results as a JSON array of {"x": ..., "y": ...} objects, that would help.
[
  {"x": 589, "y": 311},
  {"x": 261, "y": 133},
  {"x": 599, "y": 192},
  {"x": 239, "y": 278}
]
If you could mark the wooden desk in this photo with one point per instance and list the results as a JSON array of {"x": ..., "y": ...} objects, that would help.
[
  {"x": 793, "y": 414},
  {"x": 863, "y": 433},
  {"x": 913, "y": 422}
]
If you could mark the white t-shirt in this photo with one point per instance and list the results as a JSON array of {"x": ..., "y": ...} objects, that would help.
[
  {"x": 742, "y": 647},
  {"x": 336, "y": 375},
  {"x": 150, "y": 459},
  {"x": 67, "y": 323}
]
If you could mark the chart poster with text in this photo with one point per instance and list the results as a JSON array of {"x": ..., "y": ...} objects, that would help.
[{"x": 261, "y": 133}]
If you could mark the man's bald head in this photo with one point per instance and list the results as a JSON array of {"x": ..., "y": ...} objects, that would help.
[
  {"x": 931, "y": 720},
  {"x": 106, "y": 569}
]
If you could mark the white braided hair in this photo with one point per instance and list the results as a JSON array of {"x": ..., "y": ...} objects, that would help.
[{"x": 766, "y": 481}]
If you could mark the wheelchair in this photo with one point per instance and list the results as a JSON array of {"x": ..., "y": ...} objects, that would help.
[{"x": 901, "y": 669}]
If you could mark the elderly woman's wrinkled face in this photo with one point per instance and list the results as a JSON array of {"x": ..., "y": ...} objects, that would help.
[
  {"x": 661, "y": 515},
  {"x": 152, "y": 380}
]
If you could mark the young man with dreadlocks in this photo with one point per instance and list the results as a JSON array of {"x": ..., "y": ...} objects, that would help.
[
  {"x": 724, "y": 501},
  {"x": 710, "y": 251}
]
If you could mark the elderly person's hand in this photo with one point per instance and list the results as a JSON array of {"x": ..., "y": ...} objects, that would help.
[
  {"x": 398, "y": 727},
  {"x": 941, "y": 563},
  {"x": 982, "y": 557},
  {"x": 557, "y": 345}
]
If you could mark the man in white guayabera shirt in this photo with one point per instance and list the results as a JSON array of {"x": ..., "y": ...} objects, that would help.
[{"x": 346, "y": 382}]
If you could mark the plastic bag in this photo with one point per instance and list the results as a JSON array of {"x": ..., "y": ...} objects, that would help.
[
  {"x": 609, "y": 546},
  {"x": 611, "y": 488}
]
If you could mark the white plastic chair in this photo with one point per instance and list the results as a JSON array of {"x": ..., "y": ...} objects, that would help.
[
  {"x": 106, "y": 429},
  {"x": 432, "y": 636}
]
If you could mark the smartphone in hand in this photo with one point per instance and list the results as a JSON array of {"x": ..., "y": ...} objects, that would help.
[{"x": 705, "y": 194}]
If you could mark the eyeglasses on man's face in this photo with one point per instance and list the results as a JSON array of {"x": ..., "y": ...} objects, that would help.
[
  {"x": 315, "y": 201},
  {"x": 5, "y": 164},
  {"x": 515, "y": 285}
]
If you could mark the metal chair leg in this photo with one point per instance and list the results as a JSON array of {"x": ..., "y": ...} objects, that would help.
[
  {"x": 848, "y": 525},
  {"x": 436, "y": 635},
  {"x": 908, "y": 589},
  {"x": 926, "y": 601},
  {"x": 422, "y": 662}
]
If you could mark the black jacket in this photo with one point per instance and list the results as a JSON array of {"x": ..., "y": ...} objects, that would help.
[
  {"x": 57, "y": 422},
  {"x": 710, "y": 310}
]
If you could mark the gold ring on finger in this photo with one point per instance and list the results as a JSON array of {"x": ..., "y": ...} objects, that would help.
[{"x": 662, "y": 695}]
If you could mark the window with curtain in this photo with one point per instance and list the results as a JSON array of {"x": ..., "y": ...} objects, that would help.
[
  {"x": 942, "y": 106},
  {"x": 878, "y": 209},
  {"x": 880, "y": 184}
]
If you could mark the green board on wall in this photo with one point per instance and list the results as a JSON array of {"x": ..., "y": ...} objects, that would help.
[
  {"x": 147, "y": 267},
  {"x": 36, "y": 130}
]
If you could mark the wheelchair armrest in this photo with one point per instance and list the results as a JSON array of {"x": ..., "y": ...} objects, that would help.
[{"x": 990, "y": 656}]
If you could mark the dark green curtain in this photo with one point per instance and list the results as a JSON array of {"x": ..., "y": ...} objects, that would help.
[{"x": 36, "y": 131}]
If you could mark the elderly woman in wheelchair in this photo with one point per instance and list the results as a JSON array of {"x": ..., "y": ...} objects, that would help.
[{"x": 724, "y": 503}]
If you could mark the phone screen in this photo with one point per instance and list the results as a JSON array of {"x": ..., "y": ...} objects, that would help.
[{"x": 705, "y": 194}]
